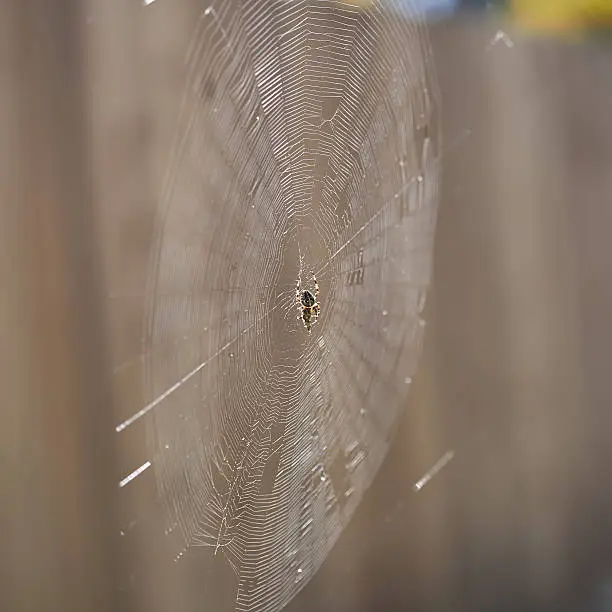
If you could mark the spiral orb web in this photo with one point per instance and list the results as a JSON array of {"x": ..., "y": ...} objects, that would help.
[{"x": 306, "y": 143}]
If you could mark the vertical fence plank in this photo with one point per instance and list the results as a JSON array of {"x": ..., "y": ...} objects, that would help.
[{"x": 56, "y": 425}]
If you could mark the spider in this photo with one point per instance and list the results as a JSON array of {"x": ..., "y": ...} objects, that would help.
[{"x": 308, "y": 303}]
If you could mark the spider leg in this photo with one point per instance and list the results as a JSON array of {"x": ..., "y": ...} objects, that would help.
[
  {"x": 314, "y": 279},
  {"x": 297, "y": 292}
]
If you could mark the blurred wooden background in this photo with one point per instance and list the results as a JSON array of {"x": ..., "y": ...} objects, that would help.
[{"x": 515, "y": 375}]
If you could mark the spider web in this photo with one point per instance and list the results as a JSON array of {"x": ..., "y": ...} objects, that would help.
[{"x": 306, "y": 143}]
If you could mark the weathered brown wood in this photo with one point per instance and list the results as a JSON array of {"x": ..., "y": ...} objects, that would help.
[
  {"x": 59, "y": 480},
  {"x": 523, "y": 226}
]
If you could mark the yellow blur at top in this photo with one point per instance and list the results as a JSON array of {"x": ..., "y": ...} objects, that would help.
[{"x": 562, "y": 15}]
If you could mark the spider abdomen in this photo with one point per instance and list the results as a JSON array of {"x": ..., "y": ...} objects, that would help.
[{"x": 307, "y": 299}]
